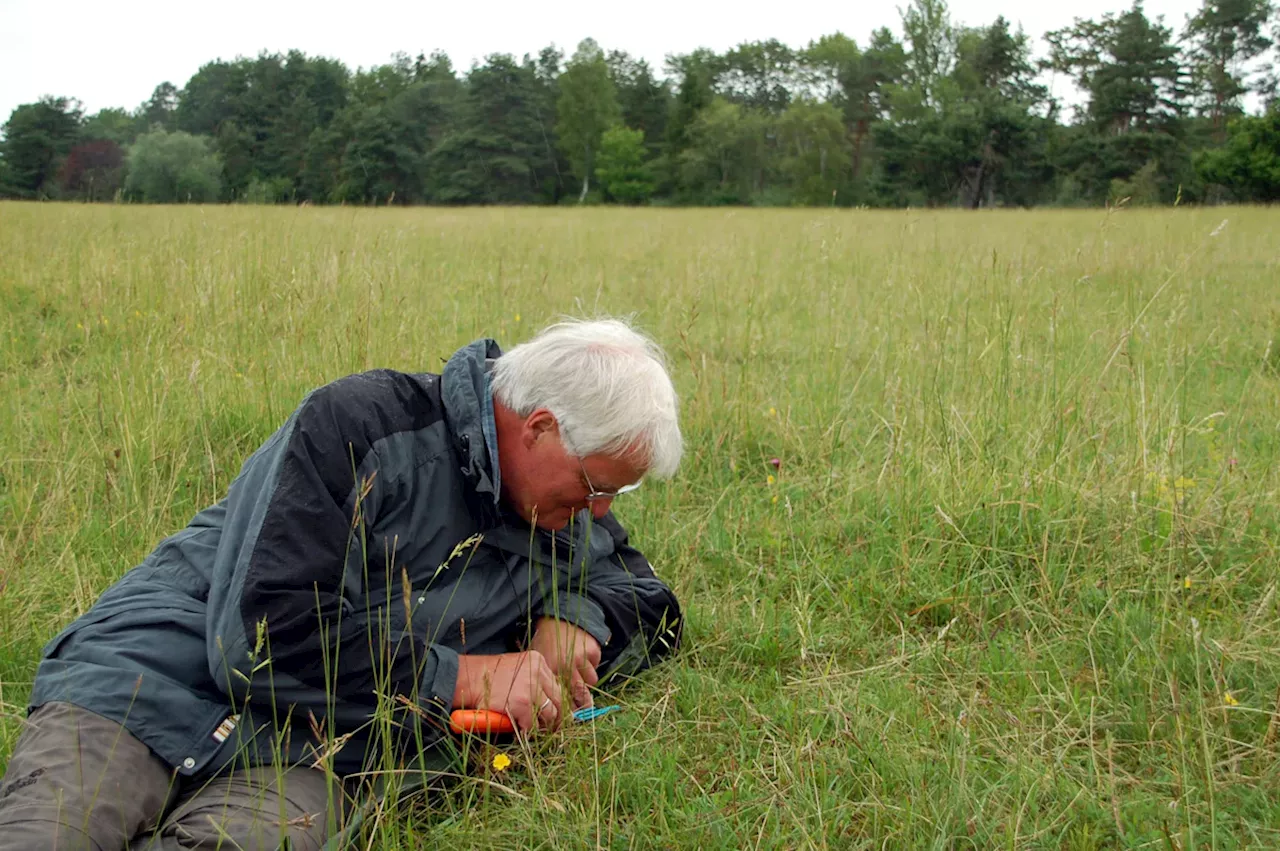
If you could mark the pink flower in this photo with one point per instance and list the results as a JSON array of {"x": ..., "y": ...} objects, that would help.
[{"x": 775, "y": 463}]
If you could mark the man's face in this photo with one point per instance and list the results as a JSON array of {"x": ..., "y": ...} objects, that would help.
[{"x": 546, "y": 484}]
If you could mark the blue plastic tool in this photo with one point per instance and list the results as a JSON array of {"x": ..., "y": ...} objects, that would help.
[{"x": 591, "y": 713}]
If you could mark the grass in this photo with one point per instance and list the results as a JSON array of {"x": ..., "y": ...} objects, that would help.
[{"x": 1012, "y": 585}]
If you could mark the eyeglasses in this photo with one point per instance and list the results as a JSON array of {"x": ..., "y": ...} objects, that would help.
[{"x": 593, "y": 494}]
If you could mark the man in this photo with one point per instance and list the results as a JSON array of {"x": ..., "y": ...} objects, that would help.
[{"x": 404, "y": 546}]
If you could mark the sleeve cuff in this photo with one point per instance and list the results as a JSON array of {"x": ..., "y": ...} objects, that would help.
[
  {"x": 582, "y": 612},
  {"x": 439, "y": 678}
]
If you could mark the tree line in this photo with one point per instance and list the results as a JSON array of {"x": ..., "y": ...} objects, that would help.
[{"x": 939, "y": 114}]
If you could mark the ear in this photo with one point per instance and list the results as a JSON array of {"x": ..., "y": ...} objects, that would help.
[{"x": 539, "y": 424}]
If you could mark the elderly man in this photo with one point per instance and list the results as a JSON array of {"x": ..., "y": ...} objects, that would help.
[{"x": 404, "y": 546}]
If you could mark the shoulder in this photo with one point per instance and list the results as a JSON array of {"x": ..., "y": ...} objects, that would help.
[
  {"x": 369, "y": 406},
  {"x": 338, "y": 427}
]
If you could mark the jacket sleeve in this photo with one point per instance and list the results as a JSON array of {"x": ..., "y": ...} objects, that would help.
[
  {"x": 613, "y": 593},
  {"x": 287, "y": 610}
]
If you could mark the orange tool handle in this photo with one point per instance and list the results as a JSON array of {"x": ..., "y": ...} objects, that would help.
[{"x": 480, "y": 721}]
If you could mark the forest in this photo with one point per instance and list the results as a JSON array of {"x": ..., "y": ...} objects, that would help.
[{"x": 939, "y": 114}]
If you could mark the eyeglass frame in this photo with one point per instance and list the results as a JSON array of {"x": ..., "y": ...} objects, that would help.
[{"x": 592, "y": 493}]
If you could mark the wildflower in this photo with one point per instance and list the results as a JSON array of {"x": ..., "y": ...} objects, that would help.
[
  {"x": 775, "y": 463},
  {"x": 773, "y": 412},
  {"x": 775, "y": 499},
  {"x": 138, "y": 313},
  {"x": 1181, "y": 485},
  {"x": 517, "y": 317},
  {"x": 1186, "y": 583},
  {"x": 501, "y": 762},
  {"x": 1229, "y": 700},
  {"x": 770, "y": 480},
  {"x": 79, "y": 327}
]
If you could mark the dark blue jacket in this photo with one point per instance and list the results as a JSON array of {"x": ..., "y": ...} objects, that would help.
[{"x": 319, "y": 609}]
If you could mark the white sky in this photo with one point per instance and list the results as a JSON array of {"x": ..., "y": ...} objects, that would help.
[{"x": 109, "y": 54}]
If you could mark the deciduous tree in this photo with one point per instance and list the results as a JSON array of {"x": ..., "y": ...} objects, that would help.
[{"x": 586, "y": 107}]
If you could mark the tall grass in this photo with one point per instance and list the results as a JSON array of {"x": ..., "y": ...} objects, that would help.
[{"x": 1011, "y": 584}]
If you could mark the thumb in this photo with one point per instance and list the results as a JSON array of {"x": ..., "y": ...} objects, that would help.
[
  {"x": 587, "y": 671},
  {"x": 579, "y": 691}
]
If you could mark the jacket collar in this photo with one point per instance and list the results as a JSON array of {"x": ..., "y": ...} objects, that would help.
[{"x": 468, "y": 406}]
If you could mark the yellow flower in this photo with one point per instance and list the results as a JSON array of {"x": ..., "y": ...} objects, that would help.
[
  {"x": 1186, "y": 583},
  {"x": 775, "y": 499},
  {"x": 771, "y": 480},
  {"x": 79, "y": 327},
  {"x": 138, "y": 313},
  {"x": 1229, "y": 700},
  {"x": 517, "y": 317},
  {"x": 501, "y": 762},
  {"x": 773, "y": 412}
]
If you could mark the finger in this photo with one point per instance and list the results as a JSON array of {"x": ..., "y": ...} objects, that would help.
[
  {"x": 523, "y": 717},
  {"x": 548, "y": 712},
  {"x": 548, "y": 684},
  {"x": 593, "y": 653},
  {"x": 587, "y": 670},
  {"x": 580, "y": 693},
  {"x": 548, "y": 702}
]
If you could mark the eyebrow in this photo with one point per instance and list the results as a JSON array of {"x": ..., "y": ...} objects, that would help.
[{"x": 597, "y": 487}]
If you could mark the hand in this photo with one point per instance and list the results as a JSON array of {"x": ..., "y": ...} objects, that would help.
[
  {"x": 521, "y": 685},
  {"x": 573, "y": 655}
]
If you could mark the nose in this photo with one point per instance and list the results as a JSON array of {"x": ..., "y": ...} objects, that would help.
[{"x": 600, "y": 507}]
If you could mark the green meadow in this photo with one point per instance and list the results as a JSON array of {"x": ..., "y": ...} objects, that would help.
[{"x": 1011, "y": 583}]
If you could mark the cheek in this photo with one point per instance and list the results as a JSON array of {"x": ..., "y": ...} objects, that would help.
[
  {"x": 568, "y": 495},
  {"x": 553, "y": 491}
]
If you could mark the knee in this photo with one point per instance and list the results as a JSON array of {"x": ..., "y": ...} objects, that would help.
[{"x": 256, "y": 809}]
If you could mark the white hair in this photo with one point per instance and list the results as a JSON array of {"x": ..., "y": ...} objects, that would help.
[{"x": 607, "y": 386}]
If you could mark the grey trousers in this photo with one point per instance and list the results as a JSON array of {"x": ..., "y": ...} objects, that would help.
[{"x": 79, "y": 782}]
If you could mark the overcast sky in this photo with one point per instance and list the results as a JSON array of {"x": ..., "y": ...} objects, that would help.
[{"x": 114, "y": 54}]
